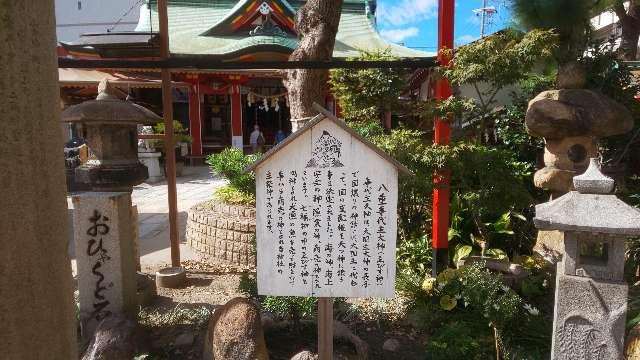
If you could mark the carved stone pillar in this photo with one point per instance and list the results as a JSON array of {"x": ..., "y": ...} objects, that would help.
[{"x": 36, "y": 306}]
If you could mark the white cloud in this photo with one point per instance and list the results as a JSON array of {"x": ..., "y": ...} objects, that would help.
[
  {"x": 397, "y": 35},
  {"x": 473, "y": 20},
  {"x": 465, "y": 39},
  {"x": 406, "y": 12}
]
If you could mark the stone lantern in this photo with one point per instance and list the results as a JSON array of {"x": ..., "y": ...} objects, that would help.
[
  {"x": 591, "y": 295},
  {"x": 572, "y": 121},
  {"x": 104, "y": 221},
  {"x": 110, "y": 128}
]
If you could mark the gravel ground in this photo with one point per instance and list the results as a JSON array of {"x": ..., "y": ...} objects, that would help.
[{"x": 176, "y": 312}]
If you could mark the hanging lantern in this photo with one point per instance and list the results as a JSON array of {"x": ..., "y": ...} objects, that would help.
[
  {"x": 265, "y": 103},
  {"x": 250, "y": 99}
]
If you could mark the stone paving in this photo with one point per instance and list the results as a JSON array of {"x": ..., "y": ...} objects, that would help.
[{"x": 196, "y": 185}]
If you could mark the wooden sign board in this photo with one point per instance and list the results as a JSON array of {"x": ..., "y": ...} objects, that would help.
[{"x": 326, "y": 216}]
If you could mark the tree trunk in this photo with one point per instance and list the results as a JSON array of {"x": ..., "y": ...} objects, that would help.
[
  {"x": 630, "y": 23},
  {"x": 317, "y": 24},
  {"x": 36, "y": 305}
]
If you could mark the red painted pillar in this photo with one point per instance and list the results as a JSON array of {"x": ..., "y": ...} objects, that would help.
[
  {"x": 236, "y": 117},
  {"x": 195, "y": 120},
  {"x": 442, "y": 178}
]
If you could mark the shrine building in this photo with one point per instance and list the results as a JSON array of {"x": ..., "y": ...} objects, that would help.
[{"x": 220, "y": 108}]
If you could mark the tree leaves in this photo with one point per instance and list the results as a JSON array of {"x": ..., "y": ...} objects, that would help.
[{"x": 364, "y": 93}]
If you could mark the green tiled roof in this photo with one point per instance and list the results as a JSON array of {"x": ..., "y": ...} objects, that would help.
[{"x": 190, "y": 19}]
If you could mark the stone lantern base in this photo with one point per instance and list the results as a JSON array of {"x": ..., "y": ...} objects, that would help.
[
  {"x": 152, "y": 161},
  {"x": 589, "y": 319}
]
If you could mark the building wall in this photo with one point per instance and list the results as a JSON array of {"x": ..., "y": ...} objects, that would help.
[
  {"x": 606, "y": 27},
  {"x": 76, "y": 17}
]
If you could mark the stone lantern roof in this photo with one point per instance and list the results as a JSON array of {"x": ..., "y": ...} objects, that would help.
[
  {"x": 108, "y": 108},
  {"x": 591, "y": 208},
  {"x": 111, "y": 132}
]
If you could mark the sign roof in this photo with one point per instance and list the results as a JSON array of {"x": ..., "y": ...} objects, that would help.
[{"x": 324, "y": 114}]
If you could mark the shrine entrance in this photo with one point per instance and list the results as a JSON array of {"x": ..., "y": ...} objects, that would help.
[
  {"x": 216, "y": 122},
  {"x": 265, "y": 104}
]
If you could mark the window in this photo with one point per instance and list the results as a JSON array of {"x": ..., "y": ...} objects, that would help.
[
  {"x": 594, "y": 253},
  {"x": 79, "y": 5}
]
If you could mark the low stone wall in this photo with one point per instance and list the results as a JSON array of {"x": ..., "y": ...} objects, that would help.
[{"x": 224, "y": 234}]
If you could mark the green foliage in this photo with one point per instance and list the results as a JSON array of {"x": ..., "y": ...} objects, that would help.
[
  {"x": 632, "y": 194},
  {"x": 459, "y": 340},
  {"x": 248, "y": 286},
  {"x": 180, "y": 134},
  {"x": 569, "y": 18},
  {"x": 607, "y": 74},
  {"x": 480, "y": 175},
  {"x": 414, "y": 192},
  {"x": 501, "y": 59},
  {"x": 367, "y": 129},
  {"x": 509, "y": 123},
  {"x": 490, "y": 65},
  {"x": 482, "y": 212},
  {"x": 364, "y": 94},
  {"x": 466, "y": 309},
  {"x": 413, "y": 256},
  {"x": 294, "y": 308},
  {"x": 384, "y": 313},
  {"x": 455, "y": 107},
  {"x": 230, "y": 195},
  {"x": 231, "y": 164}
]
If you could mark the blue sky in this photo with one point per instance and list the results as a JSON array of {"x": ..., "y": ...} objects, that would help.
[{"x": 414, "y": 23}]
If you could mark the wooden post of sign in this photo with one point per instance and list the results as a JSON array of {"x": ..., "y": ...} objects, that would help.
[{"x": 325, "y": 328}]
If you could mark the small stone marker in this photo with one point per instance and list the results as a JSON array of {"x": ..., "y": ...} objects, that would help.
[
  {"x": 326, "y": 214},
  {"x": 591, "y": 296},
  {"x": 105, "y": 255}
]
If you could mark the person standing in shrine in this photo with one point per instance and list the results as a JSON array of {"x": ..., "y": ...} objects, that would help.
[
  {"x": 256, "y": 139},
  {"x": 280, "y": 136}
]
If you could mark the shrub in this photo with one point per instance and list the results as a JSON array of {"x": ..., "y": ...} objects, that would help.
[
  {"x": 294, "y": 308},
  {"x": 364, "y": 94},
  {"x": 413, "y": 256},
  {"x": 230, "y": 195},
  {"x": 383, "y": 312},
  {"x": 459, "y": 340},
  {"x": 479, "y": 203},
  {"x": 414, "y": 192},
  {"x": 180, "y": 134},
  {"x": 231, "y": 164},
  {"x": 478, "y": 308}
]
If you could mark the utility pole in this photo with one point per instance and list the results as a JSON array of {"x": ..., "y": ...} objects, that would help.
[{"x": 486, "y": 13}]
